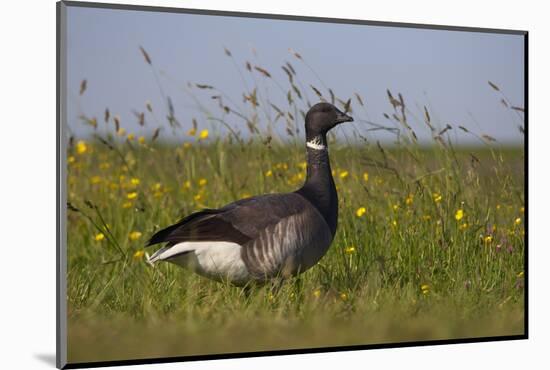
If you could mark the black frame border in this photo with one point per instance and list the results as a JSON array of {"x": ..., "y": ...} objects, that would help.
[{"x": 61, "y": 334}]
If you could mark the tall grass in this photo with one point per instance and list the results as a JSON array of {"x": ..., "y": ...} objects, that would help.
[{"x": 430, "y": 242}]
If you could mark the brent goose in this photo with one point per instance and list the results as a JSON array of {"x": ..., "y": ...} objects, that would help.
[{"x": 264, "y": 237}]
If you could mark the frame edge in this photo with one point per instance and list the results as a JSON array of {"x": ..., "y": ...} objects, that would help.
[{"x": 61, "y": 236}]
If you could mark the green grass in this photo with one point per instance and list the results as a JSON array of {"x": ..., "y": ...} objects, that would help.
[{"x": 414, "y": 272}]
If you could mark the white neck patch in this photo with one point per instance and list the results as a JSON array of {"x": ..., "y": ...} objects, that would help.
[{"x": 316, "y": 143}]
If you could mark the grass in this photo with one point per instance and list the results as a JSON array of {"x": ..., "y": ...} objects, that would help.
[
  {"x": 430, "y": 241},
  {"x": 404, "y": 270}
]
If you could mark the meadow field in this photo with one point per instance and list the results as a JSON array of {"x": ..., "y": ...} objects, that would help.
[{"x": 430, "y": 242}]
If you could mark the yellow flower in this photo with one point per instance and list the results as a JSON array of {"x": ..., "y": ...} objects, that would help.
[
  {"x": 134, "y": 235},
  {"x": 463, "y": 226},
  {"x": 281, "y": 166},
  {"x": 192, "y": 132},
  {"x": 141, "y": 140},
  {"x": 126, "y": 204},
  {"x": 522, "y": 209},
  {"x": 459, "y": 215},
  {"x": 520, "y": 274},
  {"x": 187, "y": 184},
  {"x": 134, "y": 181},
  {"x": 343, "y": 296},
  {"x": 202, "y": 182},
  {"x": 317, "y": 293},
  {"x": 156, "y": 186},
  {"x": 426, "y": 217},
  {"x": 187, "y": 145},
  {"x": 365, "y": 176},
  {"x": 302, "y": 165},
  {"x": 104, "y": 166},
  {"x": 99, "y": 237},
  {"x": 394, "y": 223},
  {"x": 268, "y": 173},
  {"x": 517, "y": 221},
  {"x": 395, "y": 207},
  {"x": 488, "y": 239},
  {"x": 139, "y": 254},
  {"x": 131, "y": 137},
  {"x": 409, "y": 200},
  {"x": 360, "y": 211},
  {"x": 203, "y": 135},
  {"x": 344, "y": 174},
  {"x": 121, "y": 131},
  {"x": 437, "y": 197},
  {"x": 350, "y": 249},
  {"x": 197, "y": 197},
  {"x": 498, "y": 206},
  {"x": 70, "y": 159},
  {"x": 132, "y": 195},
  {"x": 425, "y": 288},
  {"x": 95, "y": 180},
  {"x": 81, "y": 147}
]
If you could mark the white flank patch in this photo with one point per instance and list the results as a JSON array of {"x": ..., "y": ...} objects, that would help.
[
  {"x": 316, "y": 144},
  {"x": 216, "y": 260}
]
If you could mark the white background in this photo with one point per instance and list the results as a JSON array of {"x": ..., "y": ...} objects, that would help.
[{"x": 27, "y": 182}]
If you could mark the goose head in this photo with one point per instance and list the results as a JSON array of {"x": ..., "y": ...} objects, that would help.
[{"x": 322, "y": 117}]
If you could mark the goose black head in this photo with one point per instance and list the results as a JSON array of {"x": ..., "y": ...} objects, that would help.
[{"x": 322, "y": 117}]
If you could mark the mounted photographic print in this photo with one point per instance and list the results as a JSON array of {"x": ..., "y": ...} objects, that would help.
[{"x": 235, "y": 184}]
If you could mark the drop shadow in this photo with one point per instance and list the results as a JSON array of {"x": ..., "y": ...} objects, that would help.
[{"x": 47, "y": 358}]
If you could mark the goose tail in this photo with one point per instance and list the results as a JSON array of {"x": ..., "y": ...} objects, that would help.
[{"x": 157, "y": 256}]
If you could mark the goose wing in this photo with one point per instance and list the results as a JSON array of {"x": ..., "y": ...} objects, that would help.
[{"x": 237, "y": 222}]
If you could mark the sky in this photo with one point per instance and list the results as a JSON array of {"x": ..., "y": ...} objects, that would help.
[{"x": 446, "y": 71}]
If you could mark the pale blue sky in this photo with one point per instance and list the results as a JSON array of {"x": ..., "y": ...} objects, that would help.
[{"x": 444, "y": 70}]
